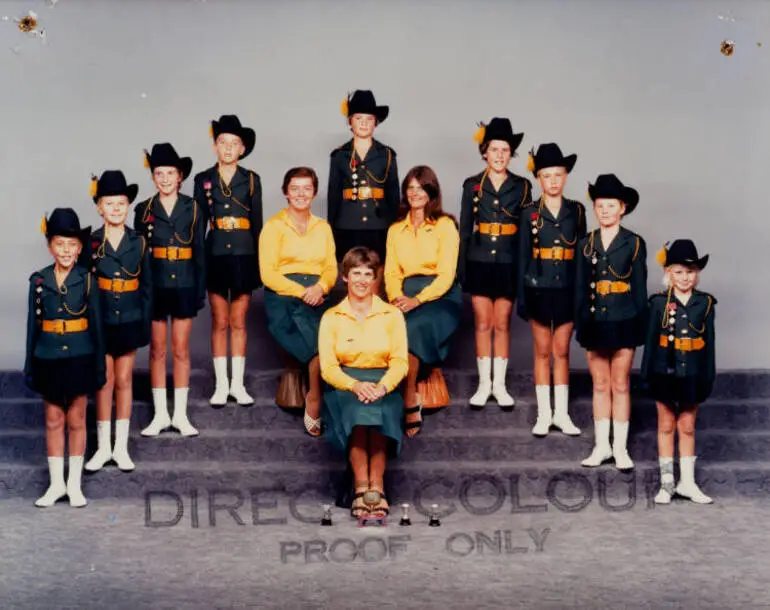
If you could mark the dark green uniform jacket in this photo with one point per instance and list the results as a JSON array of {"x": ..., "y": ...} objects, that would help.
[
  {"x": 185, "y": 228},
  {"x": 555, "y": 241},
  {"x": 377, "y": 171},
  {"x": 693, "y": 323},
  {"x": 46, "y": 302},
  {"x": 622, "y": 269},
  {"x": 481, "y": 203},
  {"x": 241, "y": 199},
  {"x": 130, "y": 261}
]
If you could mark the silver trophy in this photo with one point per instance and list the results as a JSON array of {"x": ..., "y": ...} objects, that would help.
[
  {"x": 434, "y": 520},
  {"x": 405, "y": 520},
  {"x": 327, "y": 518}
]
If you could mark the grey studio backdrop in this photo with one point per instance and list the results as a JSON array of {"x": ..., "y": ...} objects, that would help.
[{"x": 634, "y": 87}]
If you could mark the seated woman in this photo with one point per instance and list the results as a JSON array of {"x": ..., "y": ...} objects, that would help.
[
  {"x": 420, "y": 268},
  {"x": 298, "y": 267},
  {"x": 362, "y": 346}
]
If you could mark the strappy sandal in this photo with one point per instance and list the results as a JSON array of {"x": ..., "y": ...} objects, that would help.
[
  {"x": 312, "y": 426},
  {"x": 377, "y": 503},
  {"x": 359, "y": 508},
  {"x": 414, "y": 424}
]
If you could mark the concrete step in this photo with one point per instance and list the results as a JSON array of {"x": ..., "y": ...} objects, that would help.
[
  {"x": 506, "y": 485},
  {"x": 461, "y": 384},
  {"x": 729, "y": 414},
  {"x": 440, "y": 445}
]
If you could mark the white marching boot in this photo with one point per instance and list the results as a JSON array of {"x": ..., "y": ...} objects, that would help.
[
  {"x": 543, "y": 423},
  {"x": 103, "y": 449},
  {"x": 687, "y": 487},
  {"x": 666, "y": 491},
  {"x": 120, "y": 453},
  {"x": 619, "y": 441},
  {"x": 602, "y": 450},
  {"x": 180, "y": 421},
  {"x": 561, "y": 418},
  {"x": 74, "y": 477},
  {"x": 503, "y": 398},
  {"x": 484, "y": 391},
  {"x": 237, "y": 389},
  {"x": 57, "y": 488},
  {"x": 221, "y": 386},
  {"x": 161, "y": 419}
]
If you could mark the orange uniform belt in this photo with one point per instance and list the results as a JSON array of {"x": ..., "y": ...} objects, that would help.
[
  {"x": 363, "y": 192},
  {"x": 685, "y": 344},
  {"x": 109, "y": 285},
  {"x": 65, "y": 326},
  {"x": 554, "y": 254},
  {"x": 173, "y": 253},
  {"x": 230, "y": 223},
  {"x": 496, "y": 228},
  {"x": 607, "y": 287}
]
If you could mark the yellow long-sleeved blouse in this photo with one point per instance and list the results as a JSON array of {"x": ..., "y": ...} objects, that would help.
[
  {"x": 284, "y": 250},
  {"x": 431, "y": 250},
  {"x": 379, "y": 341}
]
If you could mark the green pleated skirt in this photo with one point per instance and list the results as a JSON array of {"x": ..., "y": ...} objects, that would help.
[
  {"x": 431, "y": 326},
  {"x": 342, "y": 411},
  {"x": 293, "y": 323}
]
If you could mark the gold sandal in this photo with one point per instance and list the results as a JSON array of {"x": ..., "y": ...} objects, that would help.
[{"x": 359, "y": 507}]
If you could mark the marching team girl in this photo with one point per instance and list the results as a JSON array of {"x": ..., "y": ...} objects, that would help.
[
  {"x": 175, "y": 228},
  {"x": 489, "y": 218},
  {"x": 550, "y": 230},
  {"x": 363, "y": 191},
  {"x": 420, "y": 280},
  {"x": 230, "y": 196},
  {"x": 679, "y": 364},
  {"x": 121, "y": 267},
  {"x": 611, "y": 308},
  {"x": 65, "y": 350},
  {"x": 298, "y": 266}
]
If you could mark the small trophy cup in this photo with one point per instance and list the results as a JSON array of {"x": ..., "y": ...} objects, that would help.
[
  {"x": 327, "y": 518},
  {"x": 405, "y": 520},
  {"x": 434, "y": 520}
]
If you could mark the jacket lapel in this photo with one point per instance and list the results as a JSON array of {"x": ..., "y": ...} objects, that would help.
[{"x": 621, "y": 239}]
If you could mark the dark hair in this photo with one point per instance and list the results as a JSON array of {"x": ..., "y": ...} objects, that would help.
[
  {"x": 429, "y": 182},
  {"x": 360, "y": 257},
  {"x": 300, "y": 172},
  {"x": 484, "y": 147}
]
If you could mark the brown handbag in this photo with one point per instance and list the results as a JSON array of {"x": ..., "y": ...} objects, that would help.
[
  {"x": 433, "y": 391},
  {"x": 291, "y": 389}
]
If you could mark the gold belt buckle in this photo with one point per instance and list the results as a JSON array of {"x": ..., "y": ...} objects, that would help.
[
  {"x": 229, "y": 223},
  {"x": 172, "y": 253},
  {"x": 557, "y": 253},
  {"x": 495, "y": 228},
  {"x": 365, "y": 192},
  {"x": 117, "y": 286},
  {"x": 59, "y": 327}
]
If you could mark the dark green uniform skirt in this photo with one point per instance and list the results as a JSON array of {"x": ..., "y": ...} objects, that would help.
[
  {"x": 293, "y": 323},
  {"x": 430, "y": 326},
  {"x": 342, "y": 411}
]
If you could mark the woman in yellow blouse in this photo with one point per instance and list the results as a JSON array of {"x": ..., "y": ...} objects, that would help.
[
  {"x": 298, "y": 267},
  {"x": 363, "y": 351},
  {"x": 420, "y": 275}
]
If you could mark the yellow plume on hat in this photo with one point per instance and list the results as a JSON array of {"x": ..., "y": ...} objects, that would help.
[
  {"x": 478, "y": 137},
  {"x": 344, "y": 106},
  {"x": 146, "y": 159},
  {"x": 211, "y": 130},
  {"x": 662, "y": 255},
  {"x": 94, "y": 185},
  {"x": 44, "y": 225},
  {"x": 531, "y": 161}
]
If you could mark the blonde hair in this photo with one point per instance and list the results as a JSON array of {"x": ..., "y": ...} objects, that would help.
[{"x": 667, "y": 277}]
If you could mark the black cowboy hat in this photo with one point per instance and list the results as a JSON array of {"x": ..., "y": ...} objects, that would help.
[
  {"x": 113, "y": 182},
  {"x": 500, "y": 129},
  {"x": 164, "y": 155},
  {"x": 230, "y": 123},
  {"x": 608, "y": 186},
  {"x": 683, "y": 252},
  {"x": 362, "y": 102},
  {"x": 550, "y": 155},
  {"x": 64, "y": 222}
]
